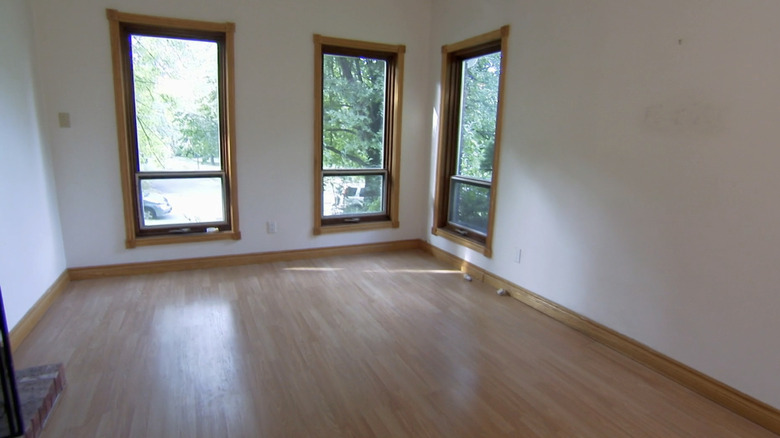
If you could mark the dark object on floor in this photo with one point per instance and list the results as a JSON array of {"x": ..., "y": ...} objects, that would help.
[
  {"x": 12, "y": 423},
  {"x": 38, "y": 390}
]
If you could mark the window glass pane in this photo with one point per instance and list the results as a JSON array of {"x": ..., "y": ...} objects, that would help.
[
  {"x": 479, "y": 107},
  {"x": 353, "y": 112},
  {"x": 351, "y": 195},
  {"x": 182, "y": 201},
  {"x": 176, "y": 103},
  {"x": 469, "y": 206}
]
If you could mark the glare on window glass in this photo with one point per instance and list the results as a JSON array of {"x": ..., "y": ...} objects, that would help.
[
  {"x": 352, "y": 195},
  {"x": 181, "y": 201}
]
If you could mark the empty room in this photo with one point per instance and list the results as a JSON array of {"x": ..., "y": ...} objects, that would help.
[{"x": 392, "y": 218}]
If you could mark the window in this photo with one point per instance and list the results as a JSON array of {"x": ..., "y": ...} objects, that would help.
[
  {"x": 469, "y": 139},
  {"x": 173, "y": 85},
  {"x": 357, "y": 134}
]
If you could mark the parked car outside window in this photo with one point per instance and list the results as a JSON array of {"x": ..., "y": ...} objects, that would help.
[{"x": 155, "y": 205}]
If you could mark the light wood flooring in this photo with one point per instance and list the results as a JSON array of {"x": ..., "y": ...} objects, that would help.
[{"x": 380, "y": 345}]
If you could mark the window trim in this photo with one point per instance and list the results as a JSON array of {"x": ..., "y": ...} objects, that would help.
[
  {"x": 327, "y": 45},
  {"x": 449, "y": 125},
  {"x": 125, "y": 119}
]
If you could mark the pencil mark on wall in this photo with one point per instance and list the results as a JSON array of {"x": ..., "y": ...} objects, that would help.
[{"x": 684, "y": 115}]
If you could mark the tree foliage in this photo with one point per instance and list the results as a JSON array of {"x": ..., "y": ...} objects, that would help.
[
  {"x": 176, "y": 101},
  {"x": 353, "y": 104},
  {"x": 478, "y": 116},
  {"x": 199, "y": 130}
]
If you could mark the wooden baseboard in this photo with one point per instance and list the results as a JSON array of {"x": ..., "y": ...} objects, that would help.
[
  {"x": 726, "y": 396},
  {"x": 732, "y": 399},
  {"x": 30, "y": 319},
  {"x": 235, "y": 260}
]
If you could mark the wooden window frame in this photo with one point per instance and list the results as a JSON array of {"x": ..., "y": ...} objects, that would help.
[
  {"x": 453, "y": 56},
  {"x": 121, "y": 26},
  {"x": 394, "y": 55}
]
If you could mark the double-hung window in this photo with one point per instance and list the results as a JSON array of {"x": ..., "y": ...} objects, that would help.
[
  {"x": 357, "y": 134},
  {"x": 174, "y": 93},
  {"x": 469, "y": 139}
]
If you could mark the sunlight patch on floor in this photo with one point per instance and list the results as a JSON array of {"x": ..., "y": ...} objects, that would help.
[
  {"x": 314, "y": 269},
  {"x": 414, "y": 271}
]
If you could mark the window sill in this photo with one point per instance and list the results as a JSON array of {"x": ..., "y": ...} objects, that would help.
[
  {"x": 344, "y": 228},
  {"x": 480, "y": 247},
  {"x": 182, "y": 238}
]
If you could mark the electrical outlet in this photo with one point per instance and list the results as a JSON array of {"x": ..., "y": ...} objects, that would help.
[
  {"x": 518, "y": 254},
  {"x": 271, "y": 227}
]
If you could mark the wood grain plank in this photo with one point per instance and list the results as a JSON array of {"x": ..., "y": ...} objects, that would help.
[{"x": 366, "y": 345}]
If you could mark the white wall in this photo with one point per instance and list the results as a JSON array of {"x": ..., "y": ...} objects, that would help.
[
  {"x": 274, "y": 80},
  {"x": 639, "y": 170},
  {"x": 638, "y": 166},
  {"x": 31, "y": 252}
]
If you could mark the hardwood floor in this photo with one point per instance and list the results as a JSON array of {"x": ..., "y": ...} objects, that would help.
[{"x": 379, "y": 345}]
